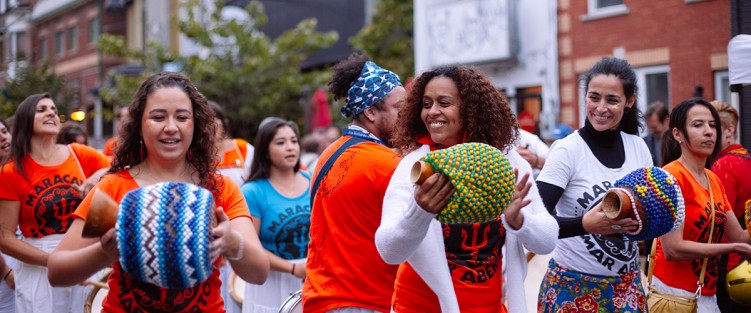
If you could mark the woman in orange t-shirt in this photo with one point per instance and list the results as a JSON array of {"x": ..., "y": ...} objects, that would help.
[
  {"x": 689, "y": 148},
  {"x": 40, "y": 186},
  {"x": 169, "y": 137}
]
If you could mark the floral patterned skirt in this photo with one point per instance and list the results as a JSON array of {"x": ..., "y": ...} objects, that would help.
[{"x": 564, "y": 291}]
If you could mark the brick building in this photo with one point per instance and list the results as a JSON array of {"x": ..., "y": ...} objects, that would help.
[
  {"x": 676, "y": 47},
  {"x": 64, "y": 34}
]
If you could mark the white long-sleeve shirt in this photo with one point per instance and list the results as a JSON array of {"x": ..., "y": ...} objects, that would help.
[{"x": 409, "y": 233}]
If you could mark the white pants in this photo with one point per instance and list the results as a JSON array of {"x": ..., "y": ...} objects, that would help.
[
  {"x": 33, "y": 291},
  {"x": 268, "y": 298},
  {"x": 229, "y": 304},
  {"x": 706, "y": 304},
  {"x": 7, "y": 295}
]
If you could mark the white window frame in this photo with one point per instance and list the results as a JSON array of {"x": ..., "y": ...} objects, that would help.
[
  {"x": 641, "y": 84},
  {"x": 595, "y": 12},
  {"x": 718, "y": 92}
]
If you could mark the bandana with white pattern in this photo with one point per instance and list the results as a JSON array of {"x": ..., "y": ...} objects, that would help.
[{"x": 373, "y": 85}]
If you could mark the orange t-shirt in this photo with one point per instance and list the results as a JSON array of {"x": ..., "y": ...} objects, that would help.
[
  {"x": 47, "y": 198},
  {"x": 234, "y": 158},
  {"x": 109, "y": 146},
  {"x": 129, "y": 295},
  {"x": 473, "y": 252},
  {"x": 344, "y": 268},
  {"x": 684, "y": 274}
]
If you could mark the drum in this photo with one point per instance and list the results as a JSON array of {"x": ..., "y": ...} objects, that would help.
[
  {"x": 236, "y": 288},
  {"x": 99, "y": 291},
  {"x": 293, "y": 303}
]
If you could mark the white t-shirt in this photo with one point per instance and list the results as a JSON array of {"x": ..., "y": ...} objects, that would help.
[{"x": 572, "y": 166}]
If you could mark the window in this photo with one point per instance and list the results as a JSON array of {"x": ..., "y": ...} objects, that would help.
[
  {"x": 43, "y": 48},
  {"x": 653, "y": 84},
  {"x": 73, "y": 38},
  {"x": 59, "y": 42},
  {"x": 597, "y": 9},
  {"x": 17, "y": 46},
  {"x": 94, "y": 30},
  {"x": 722, "y": 86}
]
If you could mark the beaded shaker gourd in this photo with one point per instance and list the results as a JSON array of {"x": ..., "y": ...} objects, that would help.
[
  {"x": 483, "y": 181},
  {"x": 164, "y": 234},
  {"x": 649, "y": 195}
]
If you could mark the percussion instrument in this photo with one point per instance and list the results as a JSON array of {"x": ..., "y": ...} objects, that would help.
[
  {"x": 99, "y": 291},
  {"x": 164, "y": 234},
  {"x": 482, "y": 177},
  {"x": 649, "y": 195},
  {"x": 236, "y": 288},
  {"x": 293, "y": 303}
]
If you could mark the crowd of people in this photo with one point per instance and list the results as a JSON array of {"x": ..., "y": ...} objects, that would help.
[{"x": 332, "y": 222}]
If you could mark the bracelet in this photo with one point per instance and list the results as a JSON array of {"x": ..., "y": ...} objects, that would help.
[
  {"x": 10, "y": 270},
  {"x": 293, "y": 269},
  {"x": 239, "y": 251}
]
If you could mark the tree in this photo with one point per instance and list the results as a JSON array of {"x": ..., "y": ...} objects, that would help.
[
  {"x": 389, "y": 38},
  {"x": 249, "y": 74},
  {"x": 30, "y": 80}
]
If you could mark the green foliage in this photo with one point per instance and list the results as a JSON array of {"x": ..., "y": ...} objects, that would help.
[
  {"x": 245, "y": 71},
  {"x": 388, "y": 39},
  {"x": 31, "y": 80}
]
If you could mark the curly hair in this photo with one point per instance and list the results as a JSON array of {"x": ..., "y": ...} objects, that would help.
[
  {"x": 202, "y": 151},
  {"x": 485, "y": 112}
]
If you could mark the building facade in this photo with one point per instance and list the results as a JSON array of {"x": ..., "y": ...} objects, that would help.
[
  {"x": 65, "y": 33},
  {"x": 512, "y": 41},
  {"x": 678, "y": 49}
]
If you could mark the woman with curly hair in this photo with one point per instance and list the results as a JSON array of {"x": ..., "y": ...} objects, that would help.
[
  {"x": 592, "y": 254},
  {"x": 169, "y": 137},
  {"x": 449, "y": 106}
]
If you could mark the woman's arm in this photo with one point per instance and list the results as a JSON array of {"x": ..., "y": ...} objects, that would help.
[
  {"x": 404, "y": 224},
  {"x": 676, "y": 248},
  {"x": 76, "y": 258},
  {"x": 733, "y": 230},
  {"x": 238, "y": 241},
  {"x": 538, "y": 231},
  {"x": 9, "y": 243}
]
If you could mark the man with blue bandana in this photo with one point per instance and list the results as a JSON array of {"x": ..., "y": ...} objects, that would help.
[{"x": 345, "y": 273}]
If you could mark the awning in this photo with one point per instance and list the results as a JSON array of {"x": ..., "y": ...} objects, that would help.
[{"x": 739, "y": 60}]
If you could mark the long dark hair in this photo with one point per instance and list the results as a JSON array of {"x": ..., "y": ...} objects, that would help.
[
  {"x": 23, "y": 131},
  {"x": 261, "y": 165},
  {"x": 631, "y": 121},
  {"x": 671, "y": 149},
  {"x": 202, "y": 151},
  {"x": 485, "y": 113}
]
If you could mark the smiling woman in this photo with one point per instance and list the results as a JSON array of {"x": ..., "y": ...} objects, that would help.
[
  {"x": 579, "y": 169},
  {"x": 169, "y": 137},
  {"x": 446, "y": 107},
  {"x": 38, "y": 193}
]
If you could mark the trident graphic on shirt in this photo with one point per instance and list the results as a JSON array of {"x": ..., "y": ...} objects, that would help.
[{"x": 473, "y": 245}]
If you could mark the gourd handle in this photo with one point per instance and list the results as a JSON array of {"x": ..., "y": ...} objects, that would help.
[
  {"x": 617, "y": 204},
  {"x": 102, "y": 215},
  {"x": 420, "y": 172}
]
